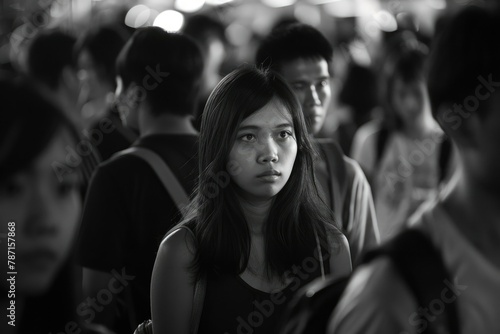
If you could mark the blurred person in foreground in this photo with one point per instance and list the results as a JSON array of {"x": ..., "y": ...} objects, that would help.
[
  {"x": 463, "y": 222},
  {"x": 39, "y": 215}
]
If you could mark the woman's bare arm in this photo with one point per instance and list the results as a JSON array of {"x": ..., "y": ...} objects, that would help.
[{"x": 172, "y": 285}]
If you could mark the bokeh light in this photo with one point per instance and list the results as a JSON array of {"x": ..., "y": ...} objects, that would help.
[
  {"x": 169, "y": 20},
  {"x": 137, "y": 16},
  {"x": 189, "y": 6}
]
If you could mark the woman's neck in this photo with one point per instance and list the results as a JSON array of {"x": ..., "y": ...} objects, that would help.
[{"x": 256, "y": 213}]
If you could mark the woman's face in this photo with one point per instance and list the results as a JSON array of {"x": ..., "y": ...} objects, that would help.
[
  {"x": 39, "y": 212},
  {"x": 264, "y": 152},
  {"x": 408, "y": 99}
]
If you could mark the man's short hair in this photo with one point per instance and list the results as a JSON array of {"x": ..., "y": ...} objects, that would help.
[
  {"x": 291, "y": 42},
  {"x": 49, "y": 53},
  {"x": 465, "y": 55},
  {"x": 166, "y": 67}
]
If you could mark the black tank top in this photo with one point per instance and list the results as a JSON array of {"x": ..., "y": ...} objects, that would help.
[{"x": 232, "y": 306}]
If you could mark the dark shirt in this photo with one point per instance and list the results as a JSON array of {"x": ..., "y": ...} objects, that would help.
[
  {"x": 128, "y": 212},
  {"x": 108, "y": 135},
  {"x": 233, "y": 306}
]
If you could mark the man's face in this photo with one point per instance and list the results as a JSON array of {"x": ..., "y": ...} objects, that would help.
[{"x": 310, "y": 80}]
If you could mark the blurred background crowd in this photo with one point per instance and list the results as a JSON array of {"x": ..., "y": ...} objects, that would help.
[
  {"x": 80, "y": 56},
  {"x": 229, "y": 31}
]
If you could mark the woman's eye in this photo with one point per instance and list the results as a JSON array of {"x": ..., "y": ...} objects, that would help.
[
  {"x": 247, "y": 137},
  {"x": 285, "y": 134}
]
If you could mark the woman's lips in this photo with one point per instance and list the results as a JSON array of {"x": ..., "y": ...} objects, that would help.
[{"x": 269, "y": 176}]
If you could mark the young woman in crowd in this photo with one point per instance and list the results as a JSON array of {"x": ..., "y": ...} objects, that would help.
[{"x": 256, "y": 229}]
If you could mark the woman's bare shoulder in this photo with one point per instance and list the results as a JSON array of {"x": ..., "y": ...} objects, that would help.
[{"x": 178, "y": 246}]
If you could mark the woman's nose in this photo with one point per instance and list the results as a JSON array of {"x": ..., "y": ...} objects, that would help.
[{"x": 268, "y": 152}]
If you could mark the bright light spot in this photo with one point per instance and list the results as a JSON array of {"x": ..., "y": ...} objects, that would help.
[
  {"x": 169, "y": 20},
  {"x": 137, "y": 16},
  {"x": 238, "y": 35},
  {"x": 278, "y": 3},
  {"x": 217, "y": 2},
  {"x": 386, "y": 21},
  {"x": 437, "y": 4},
  {"x": 341, "y": 9},
  {"x": 308, "y": 14},
  {"x": 189, "y": 6}
]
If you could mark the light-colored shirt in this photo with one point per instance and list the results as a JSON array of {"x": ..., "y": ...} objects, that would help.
[
  {"x": 355, "y": 210},
  {"x": 406, "y": 174},
  {"x": 378, "y": 301}
]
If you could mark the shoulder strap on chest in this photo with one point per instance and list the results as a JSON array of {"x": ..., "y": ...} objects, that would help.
[
  {"x": 444, "y": 157},
  {"x": 164, "y": 173},
  {"x": 381, "y": 142},
  {"x": 338, "y": 175}
]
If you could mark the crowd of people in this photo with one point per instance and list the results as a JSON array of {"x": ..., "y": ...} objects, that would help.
[{"x": 142, "y": 189}]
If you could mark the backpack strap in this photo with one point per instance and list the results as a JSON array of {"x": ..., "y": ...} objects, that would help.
[
  {"x": 164, "y": 173},
  {"x": 421, "y": 266},
  {"x": 338, "y": 176},
  {"x": 382, "y": 138},
  {"x": 174, "y": 189},
  {"x": 444, "y": 157},
  {"x": 311, "y": 306}
]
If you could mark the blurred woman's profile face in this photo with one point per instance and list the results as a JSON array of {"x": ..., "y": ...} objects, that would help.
[
  {"x": 264, "y": 151},
  {"x": 39, "y": 213}
]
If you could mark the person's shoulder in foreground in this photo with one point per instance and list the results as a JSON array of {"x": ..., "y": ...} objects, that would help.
[
  {"x": 378, "y": 300},
  {"x": 463, "y": 222}
]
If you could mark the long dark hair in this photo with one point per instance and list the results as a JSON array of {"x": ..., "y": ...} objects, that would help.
[
  {"x": 28, "y": 123},
  {"x": 215, "y": 215}
]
